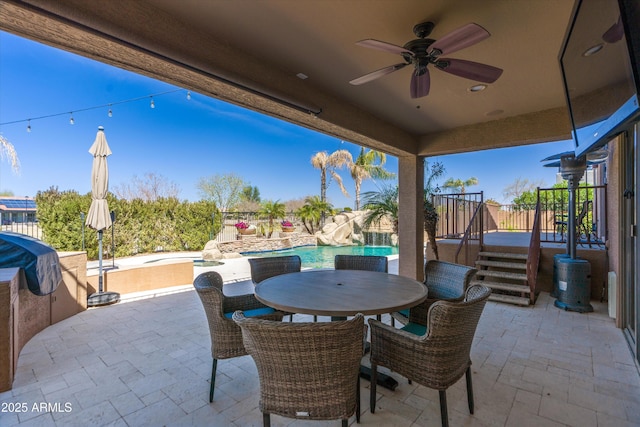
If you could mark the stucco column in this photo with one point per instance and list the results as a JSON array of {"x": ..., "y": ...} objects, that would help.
[{"x": 410, "y": 217}]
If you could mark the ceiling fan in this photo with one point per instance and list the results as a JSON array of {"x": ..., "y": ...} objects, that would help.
[{"x": 424, "y": 51}]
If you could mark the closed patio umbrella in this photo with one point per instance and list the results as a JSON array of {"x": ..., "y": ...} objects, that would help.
[{"x": 99, "y": 217}]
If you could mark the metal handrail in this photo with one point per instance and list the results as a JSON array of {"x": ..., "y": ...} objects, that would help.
[
  {"x": 467, "y": 233},
  {"x": 533, "y": 259},
  {"x": 454, "y": 212},
  {"x": 554, "y": 215}
]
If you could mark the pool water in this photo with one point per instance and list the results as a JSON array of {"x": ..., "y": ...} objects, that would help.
[{"x": 322, "y": 256}]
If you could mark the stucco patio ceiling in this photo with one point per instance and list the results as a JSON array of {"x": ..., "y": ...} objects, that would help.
[{"x": 238, "y": 50}]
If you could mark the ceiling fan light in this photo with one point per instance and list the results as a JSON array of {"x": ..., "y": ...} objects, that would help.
[{"x": 434, "y": 53}]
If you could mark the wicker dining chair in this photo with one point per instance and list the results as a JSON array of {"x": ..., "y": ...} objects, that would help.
[
  {"x": 307, "y": 370},
  {"x": 438, "y": 355},
  {"x": 362, "y": 262},
  {"x": 226, "y": 336},
  {"x": 445, "y": 281},
  {"x": 264, "y": 268}
]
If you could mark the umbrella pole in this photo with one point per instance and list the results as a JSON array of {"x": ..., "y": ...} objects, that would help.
[
  {"x": 100, "y": 297},
  {"x": 100, "y": 261}
]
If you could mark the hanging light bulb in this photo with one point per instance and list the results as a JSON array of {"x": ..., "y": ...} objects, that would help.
[
  {"x": 152, "y": 104},
  {"x": 29, "y": 126},
  {"x": 71, "y": 121},
  {"x": 110, "y": 113},
  {"x": 188, "y": 95}
]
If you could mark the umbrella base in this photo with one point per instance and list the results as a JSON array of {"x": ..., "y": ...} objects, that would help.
[{"x": 102, "y": 298}]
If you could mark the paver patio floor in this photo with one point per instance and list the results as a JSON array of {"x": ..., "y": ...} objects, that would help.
[{"x": 147, "y": 362}]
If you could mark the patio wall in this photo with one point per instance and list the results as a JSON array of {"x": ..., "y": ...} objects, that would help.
[
  {"x": 24, "y": 314},
  {"x": 145, "y": 277}
]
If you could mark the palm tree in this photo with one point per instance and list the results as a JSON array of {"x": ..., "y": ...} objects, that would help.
[
  {"x": 311, "y": 212},
  {"x": 328, "y": 163},
  {"x": 365, "y": 167},
  {"x": 385, "y": 203},
  {"x": 271, "y": 210},
  {"x": 380, "y": 204},
  {"x": 429, "y": 210},
  {"x": 8, "y": 151},
  {"x": 460, "y": 185}
]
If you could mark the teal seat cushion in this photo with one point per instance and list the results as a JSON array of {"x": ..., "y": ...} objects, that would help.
[
  {"x": 254, "y": 312},
  {"x": 405, "y": 312},
  {"x": 415, "y": 329}
]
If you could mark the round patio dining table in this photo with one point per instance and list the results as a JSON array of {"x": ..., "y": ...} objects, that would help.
[{"x": 340, "y": 293}]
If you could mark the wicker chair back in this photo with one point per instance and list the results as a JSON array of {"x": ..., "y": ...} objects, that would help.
[
  {"x": 263, "y": 268},
  {"x": 446, "y": 281},
  {"x": 361, "y": 262}
]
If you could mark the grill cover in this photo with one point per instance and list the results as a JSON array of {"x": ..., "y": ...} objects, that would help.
[{"x": 39, "y": 261}]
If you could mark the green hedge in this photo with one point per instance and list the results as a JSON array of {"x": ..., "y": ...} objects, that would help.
[{"x": 164, "y": 225}]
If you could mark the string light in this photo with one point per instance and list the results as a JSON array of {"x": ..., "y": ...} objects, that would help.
[
  {"x": 188, "y": 95},
  {"x": 152, "y": 104},
  {"x": 109, "y": 105}
]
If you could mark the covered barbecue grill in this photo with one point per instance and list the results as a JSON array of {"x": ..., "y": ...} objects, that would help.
[{"x": 39, "y": 261}]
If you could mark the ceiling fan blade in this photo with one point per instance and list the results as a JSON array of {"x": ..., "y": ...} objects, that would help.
[
  {"x": 464, "y": 36},
  {"x": 614, "y": 33},
  {"x": 376, "y": 74},
  {"x": 420, "y": 85},
  {"x": 470, "y": 70},
  {"x": 383, "y": 46}
]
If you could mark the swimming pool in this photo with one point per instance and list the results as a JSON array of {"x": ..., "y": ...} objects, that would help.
[{"x": 322, "y": 256}]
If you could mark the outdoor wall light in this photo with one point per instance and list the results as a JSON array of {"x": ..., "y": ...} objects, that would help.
[
  {"x": 477, "y": 88},
  {"x": 593, "y": 50}
]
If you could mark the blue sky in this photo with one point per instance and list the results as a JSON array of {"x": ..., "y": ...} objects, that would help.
[{"x": 183, "y": 140}]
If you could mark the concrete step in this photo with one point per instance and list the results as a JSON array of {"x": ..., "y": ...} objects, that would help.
[
  {"x": 509, "y": 299},
  {"x": 511, "y": 287},
  {"x": 501, "y": 264},
  {"x": 503, "y": 255},
  {"x": 501, "y": 274}
]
